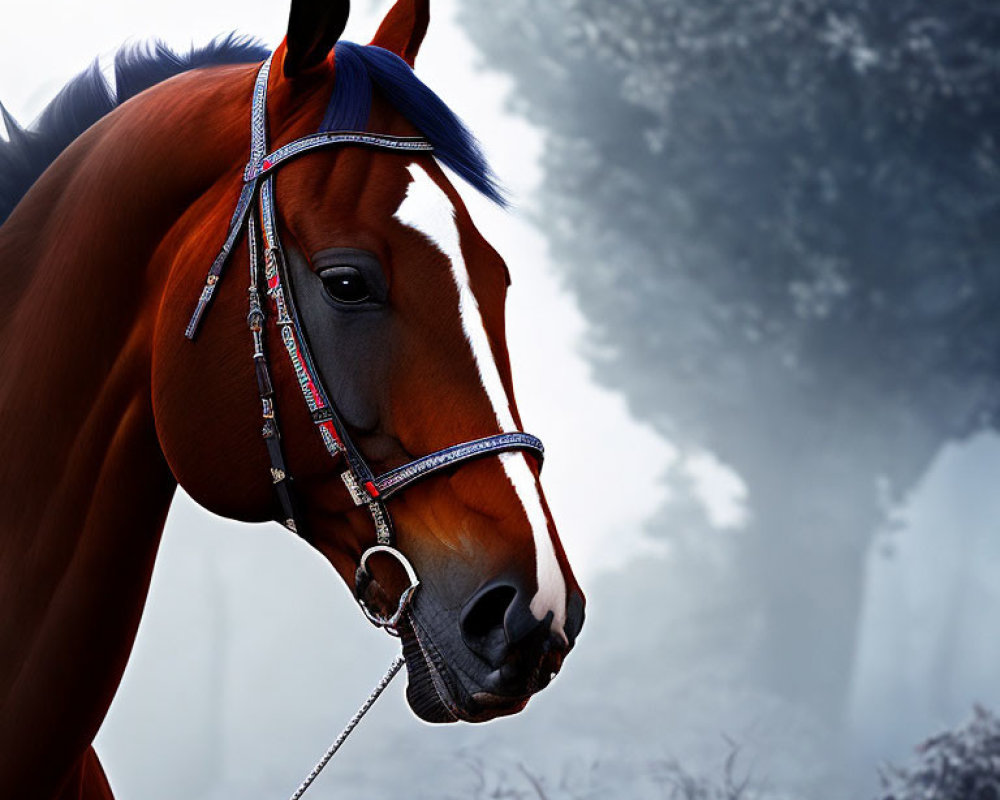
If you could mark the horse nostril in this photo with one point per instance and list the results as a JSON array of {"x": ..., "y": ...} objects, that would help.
[
  {"x": 520, "y": 623},
  {"x": 483, "y": 621}
]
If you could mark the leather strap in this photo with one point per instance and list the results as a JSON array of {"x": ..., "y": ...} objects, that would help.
[{"x": 396, "y": 480}]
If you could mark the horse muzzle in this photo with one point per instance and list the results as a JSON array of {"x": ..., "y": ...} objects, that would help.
[{"x": 488, "y": 660}]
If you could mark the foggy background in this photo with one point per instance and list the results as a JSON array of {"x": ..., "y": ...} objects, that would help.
[{"x": 754, "y": 320}]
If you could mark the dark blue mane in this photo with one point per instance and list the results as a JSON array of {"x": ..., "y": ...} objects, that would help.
[
  {"x": 360, "y": 69},
  {"x": 88, "y": 97}
]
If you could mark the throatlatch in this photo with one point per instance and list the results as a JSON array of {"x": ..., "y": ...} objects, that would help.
[{"x": 257, "y": 200}]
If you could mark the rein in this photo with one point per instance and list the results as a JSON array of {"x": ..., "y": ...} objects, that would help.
[
  {"x": 257, "y": 207},
  {"x": 394, "y": 669}
]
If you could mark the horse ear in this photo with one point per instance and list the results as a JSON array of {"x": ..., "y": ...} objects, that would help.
[
  {"x": 404, "y": 28},
  {"x": 314, "y": 26}
]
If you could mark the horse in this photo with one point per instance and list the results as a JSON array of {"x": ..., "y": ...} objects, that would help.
[{"x": 127, "y": 372}]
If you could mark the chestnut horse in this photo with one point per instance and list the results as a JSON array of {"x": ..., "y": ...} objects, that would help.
[{"x": 118, "y": 201}]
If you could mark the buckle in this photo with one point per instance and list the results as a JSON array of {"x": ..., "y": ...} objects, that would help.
[{"x": 358, "y": 494}]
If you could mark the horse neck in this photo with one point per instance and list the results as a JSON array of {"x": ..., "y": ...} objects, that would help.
[{"x": 85, "y": 485}]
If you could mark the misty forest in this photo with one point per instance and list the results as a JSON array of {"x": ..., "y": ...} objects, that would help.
[{"x": 781, "y": 220}]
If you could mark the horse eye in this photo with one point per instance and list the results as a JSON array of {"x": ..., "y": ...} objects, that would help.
[{"x": 345, "y": 284}]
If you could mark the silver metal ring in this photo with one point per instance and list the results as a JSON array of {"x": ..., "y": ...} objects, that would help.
[{"x": 392, "y": 622}]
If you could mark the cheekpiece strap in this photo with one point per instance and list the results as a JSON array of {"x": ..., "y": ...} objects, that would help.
[{"x": 270, "y": 430}]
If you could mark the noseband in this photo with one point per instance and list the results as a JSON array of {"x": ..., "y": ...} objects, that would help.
[{"x": 365, "y": 487}]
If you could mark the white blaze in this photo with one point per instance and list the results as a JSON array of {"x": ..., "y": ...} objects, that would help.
[{"x": 428, "y": 209}]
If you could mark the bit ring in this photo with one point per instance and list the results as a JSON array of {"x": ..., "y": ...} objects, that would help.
[{"x": 390, "y": 623}]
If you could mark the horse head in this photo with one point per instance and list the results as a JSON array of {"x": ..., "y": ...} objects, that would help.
[{"x": 399, "y": 303}]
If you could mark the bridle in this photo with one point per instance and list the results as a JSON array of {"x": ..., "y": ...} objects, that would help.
[
  {"x": 365, "y": 487},
  {"x": 257, "y": 199}
]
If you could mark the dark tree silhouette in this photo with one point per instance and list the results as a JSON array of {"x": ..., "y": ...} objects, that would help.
[
  {"x": 961, "y": 764},
  {"x": 781, "y": 217}
]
